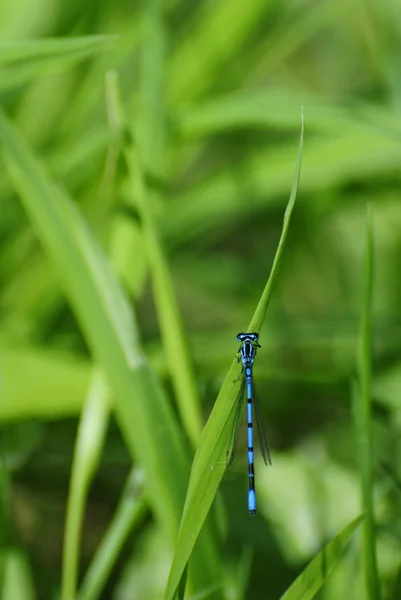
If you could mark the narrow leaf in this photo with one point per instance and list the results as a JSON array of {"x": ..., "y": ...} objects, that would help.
[
  {"x": 362, "y": 410},
  {"x": 130, "y": 511},
  {"x": 147, "y": 421},
  {"x": 209, "y": 464},
  {"x": 88, "y": 446},
  {"x": 171, "y": 326},
  {"x": 21, "y": 62},
  {"x": 306, "y": 586},
  {"x": 29, "y": 50},
  {"x": 261, "y": 309}
]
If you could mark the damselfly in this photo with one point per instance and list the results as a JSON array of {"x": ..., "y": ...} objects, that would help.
[{"x": 247, "y": 352}]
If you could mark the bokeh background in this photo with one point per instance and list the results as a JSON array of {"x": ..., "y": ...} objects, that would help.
[{"x": 219, "y": 143}]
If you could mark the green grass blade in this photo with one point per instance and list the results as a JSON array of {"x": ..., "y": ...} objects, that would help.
[
  {"x": 261, "y": 309},
  {"x": 88, "y": 447},
  {"x": 328, "y": 161},
  {"x": 153, "y": 118},
  {"x": 23, "y": 61},
  {"x": 362, "y": 411},
  {"x": 306, "y": 586},
  {"x": 151, "y": 153},
  {"x": 171, "y": 325},
  {"x": 213, "y": 40},
  {"x": 18, "y": 580},
  {"x": 29, "y": 50},
  {"x": 276, "y": 109},
  {"x": 103, "y": 313},
  {"x": 130, "y": 511},
  {"x": 180, "y": 595},
  {"x": 106, "y": 320},
  {"x": 210, "y": 460}
]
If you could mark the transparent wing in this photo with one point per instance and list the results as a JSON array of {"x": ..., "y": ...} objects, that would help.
[
  {"x": 239, "y": 412},
  {"x": 263, "y": 443}
]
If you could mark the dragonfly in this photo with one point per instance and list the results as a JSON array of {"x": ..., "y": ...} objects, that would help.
[{"x": 246, "y": 354}]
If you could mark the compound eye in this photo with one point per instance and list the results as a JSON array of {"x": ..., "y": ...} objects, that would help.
[
  {"x": 241, "y": 337},
  {"x": 254, "y": 336}
]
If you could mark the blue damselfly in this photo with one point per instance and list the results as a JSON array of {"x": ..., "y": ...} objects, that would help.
[{"x": 247, "y": 352}]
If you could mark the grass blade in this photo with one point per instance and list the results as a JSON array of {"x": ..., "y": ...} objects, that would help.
[
  {"x": 98, "y": 303},
  {"x": 130, "y": 512},
  {"x": 210, "y": 460},
  {"x": 362, "y": 411},
  {"x": 212, "y": 41},
  {"x": 275, "y": 109},
  {"x": 169, "y": 318},
  {"x": 23, "y": 61},
  {"x": 104, "y": 314},
  {"x": 30, "y": 50},
  {"x": 18, "y": 580},
  {"x": 153, "y": 115},
  {"x": 306, "y": 586},
  {"x": 88, "y": 446},
  {"x": 261, "y": 309},
  {"x": 329, "y": 161},
  {"x": 150, "y": 155}
]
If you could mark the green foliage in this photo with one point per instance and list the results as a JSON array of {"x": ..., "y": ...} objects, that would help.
[
  {"x": 210, "y": 459},
  {"x": 147, "y": 152},
  {"x": 89, "y": 442},
  {"x": 306, "y": 586},
  {"x": 128, "y": 514},
  {"x": 363, "y": 419}
]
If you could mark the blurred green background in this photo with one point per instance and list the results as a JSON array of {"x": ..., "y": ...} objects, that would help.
[{"x": 212, "y": 91}]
